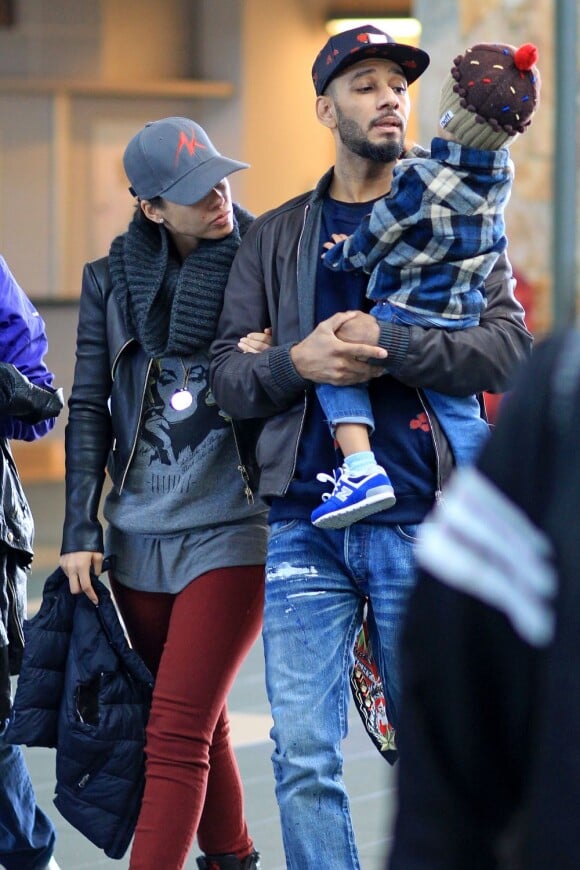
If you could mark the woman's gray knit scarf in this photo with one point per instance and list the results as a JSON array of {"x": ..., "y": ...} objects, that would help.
[{"x": 170, "y": 307}]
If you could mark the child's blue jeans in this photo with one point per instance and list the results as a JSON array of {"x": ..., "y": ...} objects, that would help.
[{"x": 460, "y": 417}]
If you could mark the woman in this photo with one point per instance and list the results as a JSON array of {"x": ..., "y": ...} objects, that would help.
[{"x": 185, "y": 546}]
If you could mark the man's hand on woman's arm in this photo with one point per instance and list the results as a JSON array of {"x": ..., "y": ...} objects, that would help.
[{"x": 325, "y": 357}]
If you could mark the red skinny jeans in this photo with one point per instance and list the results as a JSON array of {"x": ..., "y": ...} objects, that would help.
[{"x": 194, "y": 643}]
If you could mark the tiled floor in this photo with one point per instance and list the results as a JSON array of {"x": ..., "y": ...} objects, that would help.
[{"x": 370, "y": 780}]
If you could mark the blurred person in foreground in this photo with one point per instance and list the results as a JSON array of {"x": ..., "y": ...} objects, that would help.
[
  {"x": 489, "y": 744},
  {"x": 28, "y": 410}
]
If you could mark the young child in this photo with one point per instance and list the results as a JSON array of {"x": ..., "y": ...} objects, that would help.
[{"x": 428, "y": 246}]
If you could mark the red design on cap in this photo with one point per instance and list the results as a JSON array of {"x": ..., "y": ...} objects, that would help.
[
  {"x": 190, "y": 144},
  {"x": 363, "y": 37}
]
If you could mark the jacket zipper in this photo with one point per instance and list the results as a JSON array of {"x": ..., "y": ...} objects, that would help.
[
  {"x": 301, "y": 429},
  {"x": 439, "y": 490},
  {"x": 248, "y": 492},
  {"x": 306, "y": 210},
  {"x": 117, "y": 357},
  {"x": 296, "y": 445},
  {"x": 15, "y": 618},
  {"x": 136, "y": 438},
  {"x": 93, "y": 771}
]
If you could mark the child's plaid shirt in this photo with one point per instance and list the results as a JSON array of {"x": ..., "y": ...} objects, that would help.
[{"x": 432, "y": 241}]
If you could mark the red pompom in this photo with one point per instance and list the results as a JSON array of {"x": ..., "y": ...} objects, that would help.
[{"x": 526, "y": 56}]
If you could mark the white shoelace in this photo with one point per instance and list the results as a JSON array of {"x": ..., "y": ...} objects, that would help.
[{"x": 335, "y": 479}]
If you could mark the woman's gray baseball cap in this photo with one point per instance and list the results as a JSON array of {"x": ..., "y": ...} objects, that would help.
[{"x": 175, "y": 158}]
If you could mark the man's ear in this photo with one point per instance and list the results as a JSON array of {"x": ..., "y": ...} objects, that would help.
[{"x": 325, "y": 111}]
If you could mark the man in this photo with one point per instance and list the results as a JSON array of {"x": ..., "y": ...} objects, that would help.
[
  {"x": 318, "y": 580},
  {"x": 489, "y": 772},
  {"x": 28, "y": 408}
]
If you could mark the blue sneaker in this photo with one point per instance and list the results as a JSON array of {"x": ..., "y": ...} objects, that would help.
[{"x": 353, "y": 498}]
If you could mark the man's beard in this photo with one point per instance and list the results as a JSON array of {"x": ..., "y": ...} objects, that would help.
[{"x": 353, "y": 138}]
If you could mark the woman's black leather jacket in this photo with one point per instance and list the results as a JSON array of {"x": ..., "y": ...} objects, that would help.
[{"x": 107, "y": 397}]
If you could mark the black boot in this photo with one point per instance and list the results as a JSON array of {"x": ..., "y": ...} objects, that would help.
[{"x": 229, "y": 862}]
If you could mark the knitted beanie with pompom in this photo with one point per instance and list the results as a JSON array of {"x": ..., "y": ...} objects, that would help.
[{"x": 490, "y": 95}]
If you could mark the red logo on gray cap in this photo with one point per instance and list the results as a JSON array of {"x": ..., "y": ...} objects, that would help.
[{"x": 190, "y": 144}]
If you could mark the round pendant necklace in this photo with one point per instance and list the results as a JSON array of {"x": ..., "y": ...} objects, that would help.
[{"x": 182, "y": 398}]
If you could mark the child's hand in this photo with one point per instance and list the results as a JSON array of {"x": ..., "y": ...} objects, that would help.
[
  {"x": 256, "y": 342},
  {"x": 336, "y": 238}
]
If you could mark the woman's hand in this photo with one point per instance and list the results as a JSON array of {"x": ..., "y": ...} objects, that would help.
[
  {"x": 78, "y": 567},
  {"x": 256, "y": 342}
]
